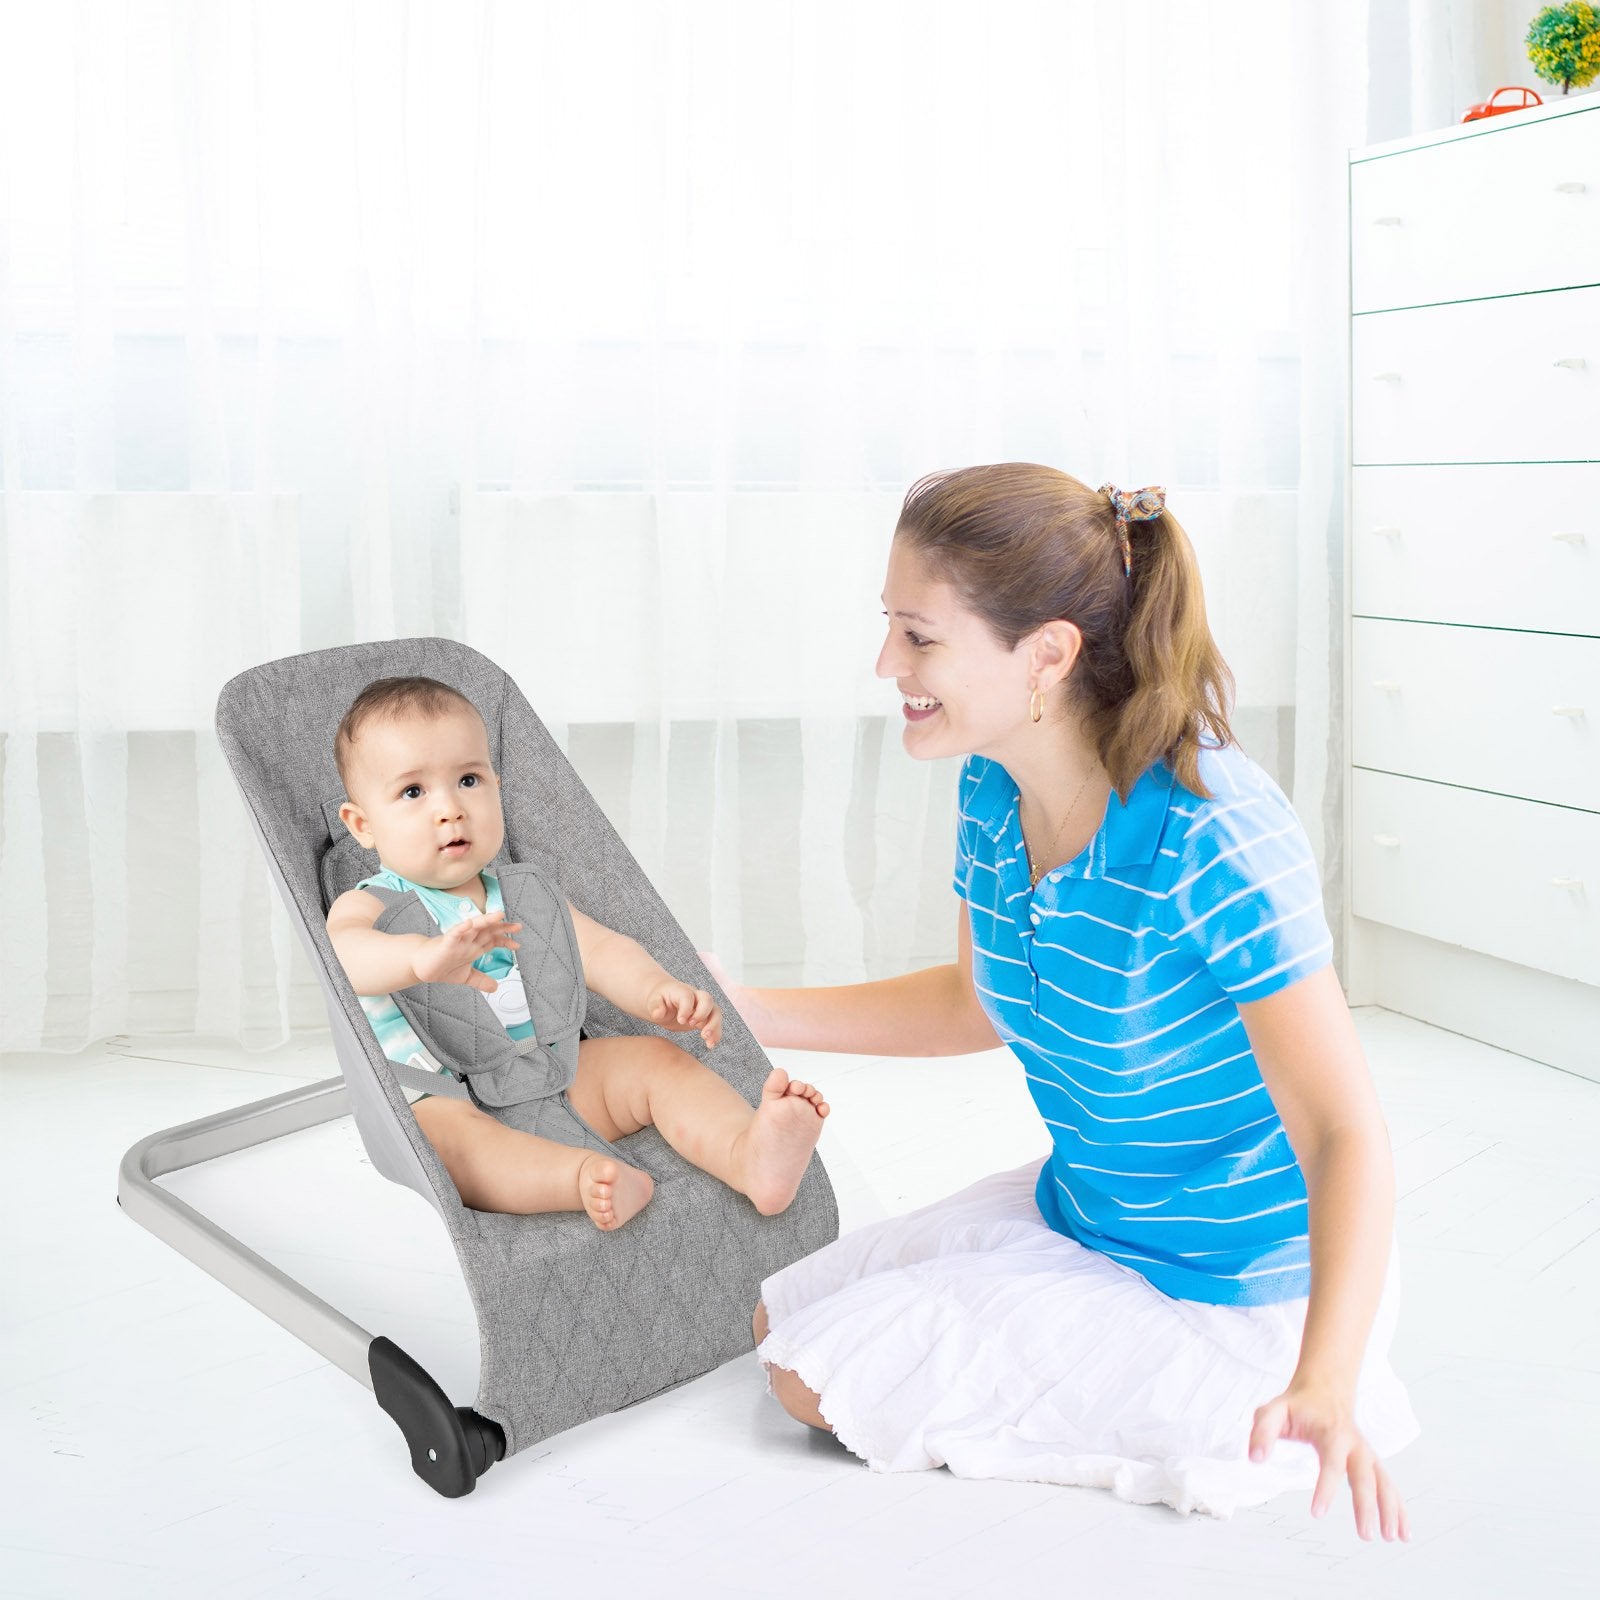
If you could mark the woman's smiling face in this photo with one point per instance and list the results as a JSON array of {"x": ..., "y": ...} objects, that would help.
[{"x": 939, "y": 650}]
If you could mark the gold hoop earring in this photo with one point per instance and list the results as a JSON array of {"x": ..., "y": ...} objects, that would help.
[{"x": 1035, "y": 710}]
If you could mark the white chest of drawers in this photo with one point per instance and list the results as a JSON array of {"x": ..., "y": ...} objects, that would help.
[{"x": 1473, "y": 582}]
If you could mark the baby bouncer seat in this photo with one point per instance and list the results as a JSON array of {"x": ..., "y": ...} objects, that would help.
[{"x": 573, "y": 1321}]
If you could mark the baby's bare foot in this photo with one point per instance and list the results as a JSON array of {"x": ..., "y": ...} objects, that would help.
[
  {"x": 612, "y": 1191},
  {"x": 776, "y": 1146}
]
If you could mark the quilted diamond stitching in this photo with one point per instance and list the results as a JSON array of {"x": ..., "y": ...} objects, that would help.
[
  {"x": 522, "y": 886},
  {"x": 458, "y": 1022},
  {"x": 720, "y": 1275}
]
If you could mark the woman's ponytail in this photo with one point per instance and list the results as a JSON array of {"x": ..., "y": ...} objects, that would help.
[{"x": 1181, "y": 688}]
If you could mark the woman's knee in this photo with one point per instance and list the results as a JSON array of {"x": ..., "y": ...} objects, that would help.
[
  {"x": 802, "y": 1403},
  {"x": 792, "y": 1394}
]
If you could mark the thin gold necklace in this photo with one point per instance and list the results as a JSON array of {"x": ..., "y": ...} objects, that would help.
[{"x": 1033, "y": 871}]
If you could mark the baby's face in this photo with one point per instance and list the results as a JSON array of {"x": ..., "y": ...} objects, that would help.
[{"x": 424, "y": 783}]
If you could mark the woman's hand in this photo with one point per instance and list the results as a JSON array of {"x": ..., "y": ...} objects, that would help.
[
  {"x": 684, "y": 1009},
  {"x": 1325, "y": 1419},
  {"x": 447, "y": 957}
]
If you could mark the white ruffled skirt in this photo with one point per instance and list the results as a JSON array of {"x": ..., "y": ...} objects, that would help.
[{"x": 968, "y": 1334}]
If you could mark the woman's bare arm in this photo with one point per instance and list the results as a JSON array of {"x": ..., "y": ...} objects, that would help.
[
  {"x": 934, "y": 1012},
  {"x": 1305, "y": 1043},
  {"x": 1311, "y": 1061}
]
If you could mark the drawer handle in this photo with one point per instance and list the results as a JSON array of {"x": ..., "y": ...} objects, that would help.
[
  {"x": 1575, "y": 363},
  {"x": 1569, "y": 538},
  {"x": 1566, "y": 711},
  {"x": 1394, "y": 377},
  {"x": 1394, "y": 533},
  {"x": 1570, "y": 188},
  {"x": 1388, "y": 685},
  {"x": 1387, "y": 840},
  {"x": 1386, "y": 222}
]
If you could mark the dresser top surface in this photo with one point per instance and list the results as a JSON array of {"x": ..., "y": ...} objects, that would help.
[{"x": 1506, "y": 122}]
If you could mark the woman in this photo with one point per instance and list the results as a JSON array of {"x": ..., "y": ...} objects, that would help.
[{"x": 1193, "y": 1272}]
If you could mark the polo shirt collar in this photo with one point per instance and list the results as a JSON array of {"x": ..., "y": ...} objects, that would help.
[{"x": 1130, "y": 834}]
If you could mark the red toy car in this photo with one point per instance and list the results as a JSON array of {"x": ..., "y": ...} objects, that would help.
[{"x": 1494, "y": 106}]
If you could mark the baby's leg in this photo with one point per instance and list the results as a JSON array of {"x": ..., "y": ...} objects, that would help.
[
  {"x": 627, "y": 1082},
  {"x": 496, "y": 1168}
]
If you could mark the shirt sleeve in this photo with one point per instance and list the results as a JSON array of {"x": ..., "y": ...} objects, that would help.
[
  {"x": 966, "y": 826},
  {"x": 1247, "y": 896}
]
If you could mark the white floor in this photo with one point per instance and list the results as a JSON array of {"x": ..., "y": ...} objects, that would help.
[{"x": 164, "y": 1439}]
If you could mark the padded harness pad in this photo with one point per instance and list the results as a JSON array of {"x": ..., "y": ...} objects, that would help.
[{"x": 456, "y": 1021}]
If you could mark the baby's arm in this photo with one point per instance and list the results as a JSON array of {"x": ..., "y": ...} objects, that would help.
[
  {"x": 379, "y": 963},
  {"x": 626, "y": 974},
  {"x": 615, "y": 966}
]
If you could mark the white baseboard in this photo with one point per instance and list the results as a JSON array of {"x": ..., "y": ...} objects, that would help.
[{"x": 1548, "y": 1019}]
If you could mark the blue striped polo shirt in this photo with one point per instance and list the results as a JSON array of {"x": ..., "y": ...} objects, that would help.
[{"x": 1116, "y": 984}]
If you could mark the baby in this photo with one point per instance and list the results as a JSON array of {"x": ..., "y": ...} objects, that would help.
[{"x": 414, "y": 757}]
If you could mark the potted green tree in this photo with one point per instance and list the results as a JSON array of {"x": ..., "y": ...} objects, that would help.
[{"x": 1564, "y": 44}]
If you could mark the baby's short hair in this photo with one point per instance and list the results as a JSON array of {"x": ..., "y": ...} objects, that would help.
[{"x": 392, "y": 697}]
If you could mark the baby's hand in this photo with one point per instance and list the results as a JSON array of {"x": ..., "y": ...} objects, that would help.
[
  {"x": 684, "y": 1009},
  {"x": 447, "y": 957}
]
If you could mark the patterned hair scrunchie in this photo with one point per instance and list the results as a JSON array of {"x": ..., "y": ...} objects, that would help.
[{"x": 1139, "y": 505}]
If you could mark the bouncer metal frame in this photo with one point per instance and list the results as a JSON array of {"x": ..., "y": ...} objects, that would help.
[{"x": 451, "y": 1446}]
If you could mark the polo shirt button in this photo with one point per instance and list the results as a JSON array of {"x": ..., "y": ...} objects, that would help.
[{"x": 1035, "y": 916}]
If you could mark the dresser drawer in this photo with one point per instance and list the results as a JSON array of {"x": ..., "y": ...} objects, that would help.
[
  {"x": 1499, "y": 546},
  {"x": 1502, "y": 211},
  {"x": 1489, "y": 380},
  {"x": 1507, "y": 877},
  {"x": 1518, "y": 713}
]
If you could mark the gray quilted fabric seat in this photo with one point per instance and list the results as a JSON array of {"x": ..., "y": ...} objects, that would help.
[{"x": 573, "y": 1322}]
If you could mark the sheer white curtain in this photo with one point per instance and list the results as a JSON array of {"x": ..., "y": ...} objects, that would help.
[{"x": 607, "y": 339}]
